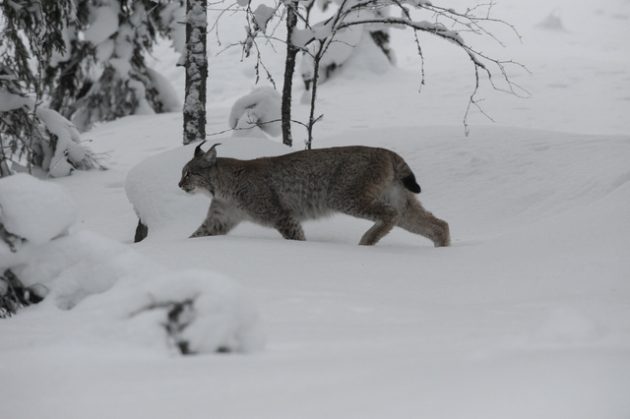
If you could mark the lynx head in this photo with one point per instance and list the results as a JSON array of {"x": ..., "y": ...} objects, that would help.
[{"x": 196, "y": 174}]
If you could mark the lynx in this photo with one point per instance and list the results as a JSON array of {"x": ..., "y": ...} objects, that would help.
[{"x": 279, "y": 192}]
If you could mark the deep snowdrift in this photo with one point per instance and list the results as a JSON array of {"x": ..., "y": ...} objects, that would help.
[
  {"x": 525, "y": 315},
  {"x": 127, "y": 294}
]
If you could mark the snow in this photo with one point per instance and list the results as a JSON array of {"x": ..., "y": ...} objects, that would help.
[
  {"x": 35, "y": 210},
  {"x": 104, "y": 23},
  {"x": 110, "y": 284},
  {"x": 338, "y": 52},
  {"x": 152, "y": 189},
  {"x": 10, "y": 101},
  {"x": 552, "y": 22},
  {"x": 262, "y": 16},
  {"x": 68, "y": 151},
  {"x": 526, "y": 315},
  {"x": 166, "y": 92},
  {"x": 261, "y": 108},
  {"x": 172, "y": 15}
]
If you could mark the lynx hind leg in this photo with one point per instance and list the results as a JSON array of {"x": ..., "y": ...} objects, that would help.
[
  {"x": 420, "y": 221},
  {"x": 384, "y": 216},
  {"x": 219, "y": 221}
]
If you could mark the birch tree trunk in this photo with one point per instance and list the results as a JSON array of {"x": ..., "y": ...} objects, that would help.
[
  {"x": 196, "y": 71},
  {"x": 289, "y": 69}
]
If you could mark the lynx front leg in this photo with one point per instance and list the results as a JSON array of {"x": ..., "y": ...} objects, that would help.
[
  {"x": 220, "y": 220},
  {"x": 290, "y": 228},
  {"x": 417, "y": 220}
]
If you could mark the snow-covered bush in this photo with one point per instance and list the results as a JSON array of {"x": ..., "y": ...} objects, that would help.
[
  {"x": 161, "y": 205},
  {"x": 34, "y": 135},
  {"x": 107, "y": 284},
  {"x": 32, "y": 212},
  {"x": 260, "y": 108}
]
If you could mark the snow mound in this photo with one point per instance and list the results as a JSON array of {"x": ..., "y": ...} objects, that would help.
[
  {"x": 336, "y": 55},
  {"x": 34, "y": 209},
  {"x": 260, "y": 108},
  {"x": 151, "y": 186},
  {"x": 125, "y": 297},
  {"x": 115, "y": 281},
  {"x": 207, "y": 312},
  {"x": 552, "y": 22}
]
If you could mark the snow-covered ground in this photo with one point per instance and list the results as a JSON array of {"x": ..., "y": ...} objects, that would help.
[{"x": 526, "y": 315}]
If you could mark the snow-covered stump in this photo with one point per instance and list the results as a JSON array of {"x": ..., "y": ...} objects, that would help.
[{"x": 196, "y": 71}]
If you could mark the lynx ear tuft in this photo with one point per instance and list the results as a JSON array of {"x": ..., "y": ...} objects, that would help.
[
  {"x": 198, "y": 150},
  {"x": 211, "y": 154}
]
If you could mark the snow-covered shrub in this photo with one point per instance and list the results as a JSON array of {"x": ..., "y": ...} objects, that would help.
[
  {"x": 151, "y": 186},
  {"x": 35, "y": 210},
  {"x": 260, "y": 108},
  {"x": 122, "y": 293},
  {"x": 32, "y": 212},
  {"x": 35, "y": 135}
]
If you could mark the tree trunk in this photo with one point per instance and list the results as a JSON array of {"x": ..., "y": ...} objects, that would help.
[
  {"x": 289, "y": 69},
  {"x": 196, "y": 71}
]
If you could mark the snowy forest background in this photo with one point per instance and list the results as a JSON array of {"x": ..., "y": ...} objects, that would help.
[{"x": 513, "y": 115}]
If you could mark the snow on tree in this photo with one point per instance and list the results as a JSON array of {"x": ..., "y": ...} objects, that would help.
[
  {"x": 196, "y": 63},
  {"x": 336, "y": 55},
  {"x": 261, "y": 108},
  {"x": 115, "y": 36},
  {"x": 90, "y": 55},
  {"x": 346, "y": 41},
  {"x": 31, "y": 134}
]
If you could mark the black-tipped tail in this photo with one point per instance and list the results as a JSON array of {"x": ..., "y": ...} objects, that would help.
[{"x": 411, "y": 184}]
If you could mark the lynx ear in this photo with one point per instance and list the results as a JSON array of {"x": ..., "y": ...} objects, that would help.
[
  {"x": 211, "y": 154},
  {"x": 198, "y": 150}
]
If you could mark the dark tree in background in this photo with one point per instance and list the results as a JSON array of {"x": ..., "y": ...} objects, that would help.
[
  {"x": 84, "y": 59},
  {"x": 33, "y": 136},
  {"x": 103, "y": 74}
]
